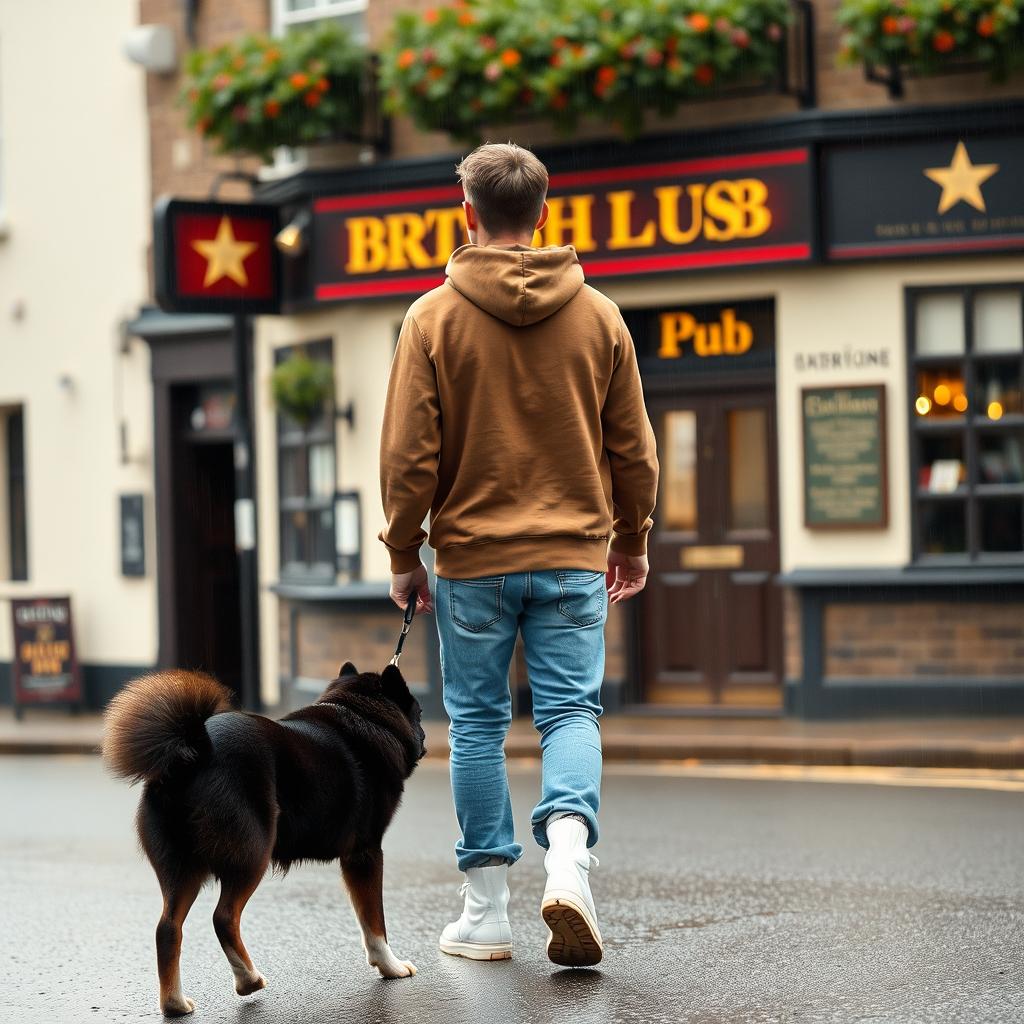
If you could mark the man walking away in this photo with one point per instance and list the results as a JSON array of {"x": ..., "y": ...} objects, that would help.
[{"x": 515, "y": 415}]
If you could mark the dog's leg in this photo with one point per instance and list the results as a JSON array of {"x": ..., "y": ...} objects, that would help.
[
  {"x": 179, "y": 895},
  {"x": 234, "y": 894},
  {"x": 365, "y": 880}
]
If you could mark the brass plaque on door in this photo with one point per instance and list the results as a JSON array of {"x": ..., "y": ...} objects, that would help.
[{"x": 712, "y": 556}]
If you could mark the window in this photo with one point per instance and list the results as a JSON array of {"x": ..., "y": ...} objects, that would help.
[
  {"x": 967, "y": 422},
  {"x": 12, "y": 431},
  {"x": 306, "y": 485},
  {"x": 288, "y": 14}
]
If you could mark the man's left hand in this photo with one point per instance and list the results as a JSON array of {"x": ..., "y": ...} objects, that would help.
[{"x": 404, "y": 583}]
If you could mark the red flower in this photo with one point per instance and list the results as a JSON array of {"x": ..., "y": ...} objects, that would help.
[
  {"x": 704, "y": 74},
  {"x": 466, "y": 19},
  {"x": 221, "y": 81},
  {"x": 203, "y": 124},
  {"x": 311, "y": 99},
  {"x": 238, "y": 63},
  {"x": 406, "y": 59},
  {"x": 271, "y": 54},
  {"x": 322, "y": 85},
  {"x": 890, "y": 25},
  {"x": 510, "y": 58},
  {"x": 698, "y": 21},
  {"x": 299, "y": 80},
  {"x": 943, "y": 41},
  {"x": 431, "y": 16},
  {"x": 606, "y": 75},
  {"x": 435, "y": 71},
  {"x": 986, "y": 26},
  {"x": 774, "y": 32},
  {"x": 560, "y": 101},
  {"x": 671, "y": 44},
  {"x": 488, "y": 43},
  {"x": 559, "y": 41},
  {"x": 740, "y": 38},
  {"x": 653, "y": 58},
  {"x": 272, "y": 108},
  {"x": 555, "y": 60}
]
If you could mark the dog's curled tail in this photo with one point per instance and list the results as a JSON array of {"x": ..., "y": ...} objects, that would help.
[{"x": 156, "y": 723}]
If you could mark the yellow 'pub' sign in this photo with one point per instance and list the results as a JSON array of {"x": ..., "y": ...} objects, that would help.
[{"x": 735, "y": 210}]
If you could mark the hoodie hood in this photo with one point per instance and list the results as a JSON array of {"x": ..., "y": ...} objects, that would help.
[{"x": 519, "y": 285}]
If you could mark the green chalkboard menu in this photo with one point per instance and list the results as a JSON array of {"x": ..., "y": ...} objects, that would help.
[{"x": 845, "y": 478}]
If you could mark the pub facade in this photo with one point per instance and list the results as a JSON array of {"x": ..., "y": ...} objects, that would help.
[{"x": 828, "y": 310}]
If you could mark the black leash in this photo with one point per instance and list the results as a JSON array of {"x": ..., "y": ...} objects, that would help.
[{"x": 410, "y": 611}]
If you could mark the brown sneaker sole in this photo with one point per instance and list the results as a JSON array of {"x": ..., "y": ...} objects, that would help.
[{"x": 573, "y": 942}]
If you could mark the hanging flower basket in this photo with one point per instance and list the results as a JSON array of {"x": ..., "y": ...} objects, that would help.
[
  {"x": 498, "y": 61},
  {"x": 302, "y": 387},
  {"x": 256, "y": 94},
  {"x": 932, "y": 37}
]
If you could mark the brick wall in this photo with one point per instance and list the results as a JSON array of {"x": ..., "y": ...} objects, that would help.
[{"x": 924, "y": 640}]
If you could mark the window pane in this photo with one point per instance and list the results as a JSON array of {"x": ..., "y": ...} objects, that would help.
[
  {"x": 1001, "y": 524},
  {"x": 998, "y": 389},
  {"x": 940, "y": 325},
  {"x": 679, "y": 474},
  {"x": 322, "y": 540},
  {"x": 943, "y": 527},
  {"x": 942, "y": 466},
  {"x": 1001, "y": 457},
  {"x": 321, "y": 471},
  {"x": 293, "y": 538},
  {"x": 293, "y": 472},
  {"x": 300, "y": 5},
  {"x": 748, "y": 469},
  {"x": 997, "y": 322},
  {"x": 940, "y": 392}
]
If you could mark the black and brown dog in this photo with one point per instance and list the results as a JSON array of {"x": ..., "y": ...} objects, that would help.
[{"x": 227, "y": 794}]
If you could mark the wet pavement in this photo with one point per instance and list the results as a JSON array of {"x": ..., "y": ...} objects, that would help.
[{"x": 739, "y": 900}]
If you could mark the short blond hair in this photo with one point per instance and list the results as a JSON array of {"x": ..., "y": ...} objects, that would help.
[{"x": 506, "y": 185}]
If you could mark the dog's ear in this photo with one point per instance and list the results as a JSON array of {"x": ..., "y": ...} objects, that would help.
[
  {"x": 348, "y": 669},
  {"x": 393, "y": 684}
]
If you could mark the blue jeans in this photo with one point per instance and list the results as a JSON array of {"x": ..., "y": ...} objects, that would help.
[{"x": 561, "y": 613}]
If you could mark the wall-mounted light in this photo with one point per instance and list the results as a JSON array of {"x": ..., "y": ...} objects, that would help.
[
  {"x": 293, "y": 238},
  {"x": 153, "y": 47}
]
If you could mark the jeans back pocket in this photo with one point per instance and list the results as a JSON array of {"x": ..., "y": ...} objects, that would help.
[
  {"x": 476, "y": 603},
  {"x": 583, "y": 595}
]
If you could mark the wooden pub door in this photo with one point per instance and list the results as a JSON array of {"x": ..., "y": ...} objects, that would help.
[{"x": 711, "y": 612}]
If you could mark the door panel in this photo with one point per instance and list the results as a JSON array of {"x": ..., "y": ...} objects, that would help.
[{"x": 712, "y": 636}]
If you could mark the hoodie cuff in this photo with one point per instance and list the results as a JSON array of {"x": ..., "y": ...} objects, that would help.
[
  {"x": 629, "y": 543},
  {"x": 404, "y": 561}
]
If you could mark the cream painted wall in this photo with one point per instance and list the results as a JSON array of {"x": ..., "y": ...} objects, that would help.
[
  {"x": 75, "y": 198},
  {"x": 364, "y": 336}
]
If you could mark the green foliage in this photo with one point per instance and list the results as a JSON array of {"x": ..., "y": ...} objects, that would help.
[
  {"x": 301, "y": 386},
  {"x": 494, "y": 61},
  {"x": 258, "y": 93},
  {"x": 927, "y": 36}
]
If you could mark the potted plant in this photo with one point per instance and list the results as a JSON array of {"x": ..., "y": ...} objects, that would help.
[
  {"x": 496, "y": 61},
  {"x": 932, "y": 37},
  {"x": 257, "y": 94},
  {"x": 302, "y": 387}
]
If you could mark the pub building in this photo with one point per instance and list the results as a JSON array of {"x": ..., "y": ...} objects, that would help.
[{"x": 828, "y": 312}]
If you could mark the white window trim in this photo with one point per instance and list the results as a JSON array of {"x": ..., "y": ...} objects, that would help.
[{"x": 282, "y": 19}]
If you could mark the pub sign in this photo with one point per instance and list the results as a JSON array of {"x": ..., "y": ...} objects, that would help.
[
  {"x": 720, "y": 211},
  {"x": 213, "y": 257},
  {"x": 45, "y": 664},
  {"x": 952, "y": 195}
]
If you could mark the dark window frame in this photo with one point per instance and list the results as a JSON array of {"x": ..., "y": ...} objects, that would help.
[
  {"x": 970, "y": 428},
  {"x": 291, "y": 439},
  {"x": 17, "y": 500}
]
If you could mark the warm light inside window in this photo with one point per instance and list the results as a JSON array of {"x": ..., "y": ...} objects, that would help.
[
  {"x": 942, "y": 395},
  {"x": 995, "y": 410},
  {"x": 960, "y": 402},
  {"x": 923, "y": 405}
]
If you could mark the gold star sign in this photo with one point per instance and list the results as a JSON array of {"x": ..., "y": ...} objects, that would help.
[
  {"x": 225, "y": 255},
  {"x": 961, "y": 180}
]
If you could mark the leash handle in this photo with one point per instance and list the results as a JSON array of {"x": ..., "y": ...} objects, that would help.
[{"x": 410, "y": 611}]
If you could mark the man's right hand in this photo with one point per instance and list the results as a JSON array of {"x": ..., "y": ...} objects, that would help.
[{"x": 626, "y": 576}]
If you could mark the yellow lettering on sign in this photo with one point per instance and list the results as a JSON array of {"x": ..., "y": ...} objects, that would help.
[
  {"x": 728, "y": 336},
  {"x": 668, "y": 213},
  {"x": 445, "y": 222},
  {"x": 367, "y": 245},
  {"x": 751, "y": 196},
  {"x": 621, "y": 236},
  {"x": 578, "y": 221},
  {"x": 406, "y": 232}
]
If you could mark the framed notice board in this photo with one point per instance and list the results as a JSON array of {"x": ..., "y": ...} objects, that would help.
[
  {"x": 845, "y": 464},
  {"x": 45, "y": 663}
]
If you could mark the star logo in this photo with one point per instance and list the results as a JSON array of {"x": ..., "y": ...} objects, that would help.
[
  {"x": 961, "y": 180},
  {"x": 225, "y": 255}
]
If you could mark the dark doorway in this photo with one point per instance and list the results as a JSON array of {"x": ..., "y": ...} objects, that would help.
[
  {"x": 206, "y": 581},
  {"x": 711, "y": 613}
]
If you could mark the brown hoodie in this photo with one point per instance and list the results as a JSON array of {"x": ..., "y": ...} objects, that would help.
[{"x": 515, "y": 415}]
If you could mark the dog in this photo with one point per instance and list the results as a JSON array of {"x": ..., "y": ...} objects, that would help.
[{"x": 228, "y": 794}]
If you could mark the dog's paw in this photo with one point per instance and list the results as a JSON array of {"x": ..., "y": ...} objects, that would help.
[
  {"x": 395, "y": 968},
  {"x": 253, "y": 983},
  {"x": 177, "y": 1006}
]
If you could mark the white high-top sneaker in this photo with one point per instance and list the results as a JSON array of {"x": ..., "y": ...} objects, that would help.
[
  {"x": 483, "y": 932},
  {"x": 568, "y": 906}
]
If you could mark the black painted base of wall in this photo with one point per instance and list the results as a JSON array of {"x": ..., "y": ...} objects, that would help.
[
  {"x": 99, "y": 683},
  {"x": 855, "y": 699}
]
